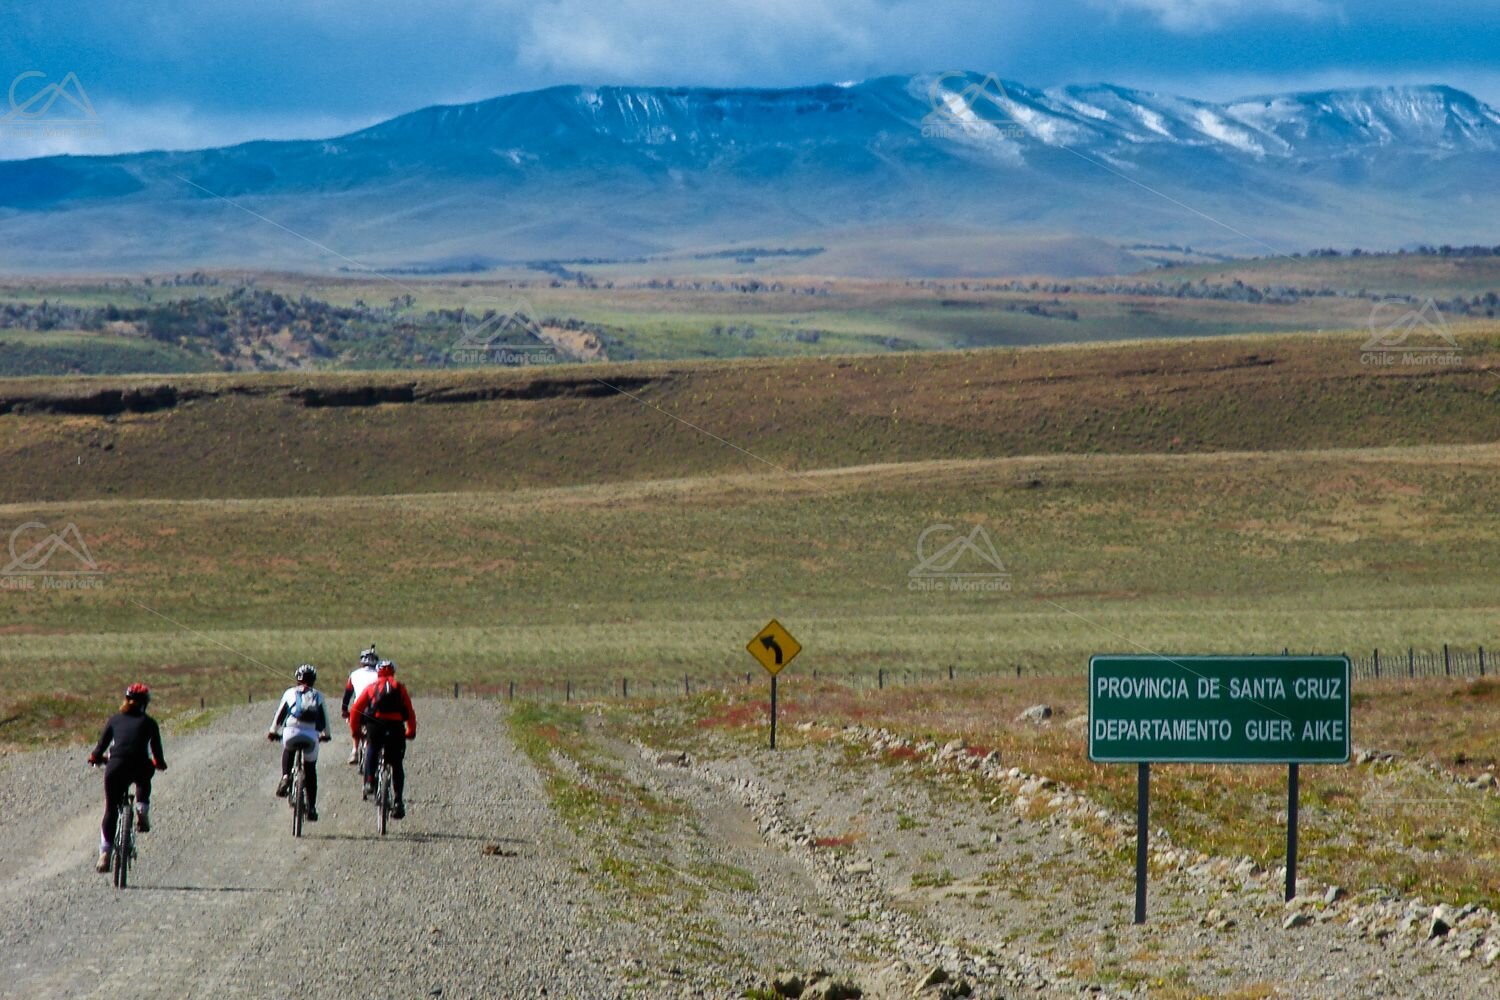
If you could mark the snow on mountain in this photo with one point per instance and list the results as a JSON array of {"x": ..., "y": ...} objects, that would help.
[{"x": 601, "y": 171}]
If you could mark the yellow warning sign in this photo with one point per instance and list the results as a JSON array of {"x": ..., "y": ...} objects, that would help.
[{"x": 774, "y": 647}]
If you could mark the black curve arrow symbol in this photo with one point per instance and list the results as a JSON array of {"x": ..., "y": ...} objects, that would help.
[{"x": 772, "y": 645}]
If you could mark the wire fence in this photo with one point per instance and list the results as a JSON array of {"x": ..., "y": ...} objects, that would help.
[{"x": 1379, "y": 664}]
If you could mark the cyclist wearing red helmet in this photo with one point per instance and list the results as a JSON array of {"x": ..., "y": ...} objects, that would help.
[
  {"x": 384, "y": 708},
  {"x": 133, "y": 740}
]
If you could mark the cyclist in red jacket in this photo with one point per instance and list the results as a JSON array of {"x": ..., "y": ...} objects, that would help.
[{"x": 384, "y": 709}]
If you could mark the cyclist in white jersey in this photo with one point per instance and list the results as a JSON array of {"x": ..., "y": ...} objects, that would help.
[
  {"x": 302, "y": 719},
  {"x": 362, "y": 677}
]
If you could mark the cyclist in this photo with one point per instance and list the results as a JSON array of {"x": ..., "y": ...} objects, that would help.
[
  {"x": 362, "y": 677},
  {"x": 390, "y": 722},
  {"x": 302, "y": 720},
  {"x": 133, "y": 740}
]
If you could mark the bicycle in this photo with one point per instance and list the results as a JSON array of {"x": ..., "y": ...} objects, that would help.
[
  {"x": 384, "y": 790},
  {"x": 298, "y": 798},
  {"x": 123, "y": 850}
]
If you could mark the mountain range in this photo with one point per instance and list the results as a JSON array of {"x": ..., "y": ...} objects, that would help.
[{"x": 953, "y": 173}]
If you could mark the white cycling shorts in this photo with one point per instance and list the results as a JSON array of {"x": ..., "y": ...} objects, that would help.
[{"x": 306, "y": 739}]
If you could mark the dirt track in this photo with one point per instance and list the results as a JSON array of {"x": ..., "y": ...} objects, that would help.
[
  {"x": 225, "y": 904},
  {"x": 808, "y": 858}
]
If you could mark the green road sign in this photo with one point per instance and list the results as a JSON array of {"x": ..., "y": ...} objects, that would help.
[{"x": 1219, "y": 709}]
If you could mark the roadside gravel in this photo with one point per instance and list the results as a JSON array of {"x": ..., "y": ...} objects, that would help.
[{"x": 225, "y": 903}]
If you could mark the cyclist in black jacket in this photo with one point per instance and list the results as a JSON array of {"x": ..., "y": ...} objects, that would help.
[{"x": 133, "y": 740}]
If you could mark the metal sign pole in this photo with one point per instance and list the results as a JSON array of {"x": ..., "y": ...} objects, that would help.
[
  {"x": 1291, "y": 831},
  {"x": 773, "y": 711},
  {"x": 1142, "y": 835}
]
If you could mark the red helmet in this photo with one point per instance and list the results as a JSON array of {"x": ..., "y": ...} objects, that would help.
[
  {"x": 138, "y": 692},
  {"x": 386, "y": 669}
]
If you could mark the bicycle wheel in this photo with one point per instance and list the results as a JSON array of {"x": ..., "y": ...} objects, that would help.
[
  {"x": 384, "y": 795},
  {"x": 124, "y": 832},
  {"x": 299, "y": 795},
  {"x": 383, "y": 778}
]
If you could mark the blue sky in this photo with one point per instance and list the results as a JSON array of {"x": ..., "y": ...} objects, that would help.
[{"x": 188, "y": 73}]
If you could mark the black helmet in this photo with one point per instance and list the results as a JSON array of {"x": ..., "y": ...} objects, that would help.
[
  {"x": 368, "y": 657},
  {"x": 307, "y": 674}
]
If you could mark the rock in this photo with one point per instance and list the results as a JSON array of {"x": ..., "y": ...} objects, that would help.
[
  {"x": 1485, "y": 780},
  {"x": 1491, "y": 955},
  {"x": 788, "y": 984},
  {"x": 1036, "y": 713},
  {"x": 1441, "y": 922},
  {"x": 1333, "y": 895},
  {"x": 935, "y": 976},
  {"x": 1298, "y": 919},
  {"x": 672, "y": 758},
  {"x": 832, "y": 989},
  {"x": 1077, "y": 724},
  {"x": 859, "y": 868}
]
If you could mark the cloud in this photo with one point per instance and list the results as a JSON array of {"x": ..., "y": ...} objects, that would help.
[
  {"x": 125, "y": 127},
  {"x": 730, "y": 42},
  {"x": 192, "y": 73},
  {"x": 1210, "y": 15}
]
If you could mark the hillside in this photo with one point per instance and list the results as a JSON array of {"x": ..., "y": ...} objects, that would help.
[
  {"x": 589, "y": 172},
  {"x": 203, "y": 436}
]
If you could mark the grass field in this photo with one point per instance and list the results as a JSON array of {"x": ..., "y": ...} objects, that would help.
[
  {"x": 1326, "y": 550},
  {"x": 69, "y": 352},
  {"x": 1194, "y": 496},
  {"x": 644, "y": 313},
  {"x": 255, "y": 436}
]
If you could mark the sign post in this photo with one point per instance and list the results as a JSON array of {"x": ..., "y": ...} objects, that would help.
[
  {"x": 1142, "y": 835},
  {"x": 773, "y": 648},
  {"x": 1218, "y": 710}
]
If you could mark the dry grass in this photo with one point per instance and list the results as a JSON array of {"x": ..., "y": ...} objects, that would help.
[
  {"x": 653, "y": 581},
  {"x": 247, "y": 437},
  {"x": 1396, "y": 826}
]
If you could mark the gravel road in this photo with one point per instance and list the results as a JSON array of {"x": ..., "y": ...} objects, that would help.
[{"x": 225, "y": 903}]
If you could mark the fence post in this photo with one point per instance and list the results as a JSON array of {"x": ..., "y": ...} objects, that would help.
[
  {"x": 200, "y": 701},
  {"x": 1447, "y": 670},
  {"x": 687, "y": 687},
  {"x": 568, "y": 690},
  {"x": 249, "y": 697},
  {"x": 512, "y": 695},
  {"x": 1018, "y": 670},
  {"x": 1377, "y": 661},
  {"x": 1481, "y": 661},
  {"x": 880, "y": 677},
  {"x": 455, "y": 690},
  {"x": 1411, "y": 662},
  {"x": 950, "y": 671},
  {"x": 624, "y": 687}
]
